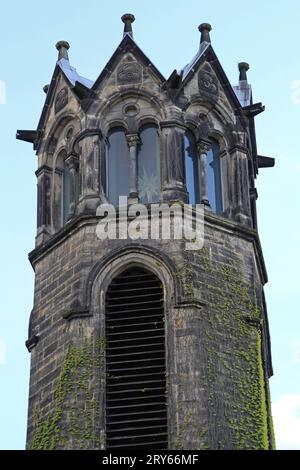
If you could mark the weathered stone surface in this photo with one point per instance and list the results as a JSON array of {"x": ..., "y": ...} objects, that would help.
[
  {"x": 217, "y": 339},
  {"x": 216, "y": 379}
]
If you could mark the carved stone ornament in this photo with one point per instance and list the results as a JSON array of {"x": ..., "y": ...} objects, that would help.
[
  {"x": 132, "y": 140},
  {"x": 203, "y": 147},
  {"x": 90, "y": 158},
  {"x": 131, "y": 110},
  {"x": 61, "y": 99},
  {"x": 207, "y": 81},
  {"x": 129, "y": 73},
  {"x": 239, "y": 138}
]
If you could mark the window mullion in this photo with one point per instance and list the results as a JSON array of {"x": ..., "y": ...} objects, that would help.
[
  {"x": 202, "y": 148},
  {"x": 133, "y": 141}
]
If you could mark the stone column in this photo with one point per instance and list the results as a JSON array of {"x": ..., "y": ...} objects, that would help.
[
  {"x": 56, "y": 198},
  {"x": 172, "y": 143},
  {"x": 225, "y": 165},
  {"x": 90, "y": 147},
  {"x": 241, "y": 211},
  {"x": 241, "y": 193},
  {"x": 203, "y": 147},
  {"x": 44, "y": 174},
  {"x": 73, "y": 163},
  {"x": 133, "y": 141}
]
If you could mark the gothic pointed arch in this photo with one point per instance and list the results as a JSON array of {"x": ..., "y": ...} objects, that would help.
[
  {"x": 135, "y": 339},
  {"x": 144, "y": 256}
]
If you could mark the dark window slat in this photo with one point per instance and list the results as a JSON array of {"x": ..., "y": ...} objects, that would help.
[{"x": 136, "y": 410}]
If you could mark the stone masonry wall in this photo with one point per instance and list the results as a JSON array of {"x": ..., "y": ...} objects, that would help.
[{"x": 217, "y": 388}]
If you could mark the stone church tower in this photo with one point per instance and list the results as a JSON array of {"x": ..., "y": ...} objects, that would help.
[{"x": 142, "y": 343}]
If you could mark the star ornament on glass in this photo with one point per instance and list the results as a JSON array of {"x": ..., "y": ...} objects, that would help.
[{"x": 148, "y": 187}]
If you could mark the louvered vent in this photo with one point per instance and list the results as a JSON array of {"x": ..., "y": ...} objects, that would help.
[{"x": 136, "y": 412}]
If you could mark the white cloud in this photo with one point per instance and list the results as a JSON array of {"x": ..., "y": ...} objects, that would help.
[
  {"x": 286, "y": 416},
  {"x": 296, "y": 92},
  {"x": 2, "y": 353},
  {"x": 2, "y": 92}
]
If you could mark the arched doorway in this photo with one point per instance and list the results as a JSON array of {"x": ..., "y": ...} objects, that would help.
[{"x": 136, "y": 410}]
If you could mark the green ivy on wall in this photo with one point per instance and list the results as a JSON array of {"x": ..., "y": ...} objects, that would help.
[
  {"x": 236, "y": 314},
  {"x": 73, "y": 421}
]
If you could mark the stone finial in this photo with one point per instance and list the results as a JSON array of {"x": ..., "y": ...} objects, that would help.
[
  {"x": 128, "y": 19},
  {"x": 204, "y": 29},
  {"x": 243, "y": 68},
  {"x": 62, "y": 47}
]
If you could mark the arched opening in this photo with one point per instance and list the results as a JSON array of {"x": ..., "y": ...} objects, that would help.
[
  {"x": 191, "y": 168},
  {"x": 70, "y": 186},
  {"x": 148, "y": 165},
  {"x": 66, "y": 192},
  {"x": 213, "y": 172},
  {"x": 61, "y": 191},
  {"x": 136, "y": 410},
  {"x": 118, "y": 165}
]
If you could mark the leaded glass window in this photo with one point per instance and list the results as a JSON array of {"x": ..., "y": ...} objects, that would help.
[{"x": 148, "y": 165}]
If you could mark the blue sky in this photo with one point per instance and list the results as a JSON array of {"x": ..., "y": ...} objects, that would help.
[{"x": 265, "y": 34}]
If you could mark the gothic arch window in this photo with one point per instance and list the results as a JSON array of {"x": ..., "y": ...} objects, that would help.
[
  {"x": 191, "y": 168},
  {"x": 136, "y": 411},
  {"x": 148, "y": 165},
  {"x": 69, "y": 185},
  {"x": 214, "y": 181},
  {"x": 118, "y": 165},
  {"x": 66, "y": 192},
  {"x": 193, "y": 172},
  {"x": 121, "y": 172}
]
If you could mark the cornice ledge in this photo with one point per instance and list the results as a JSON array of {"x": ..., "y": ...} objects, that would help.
[
  {"x": 245, "y": 232},
  {"x": 75, "y": 224},
  {"x": 84, "y": 219}
]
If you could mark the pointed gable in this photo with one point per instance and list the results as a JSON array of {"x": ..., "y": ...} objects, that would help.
[
  {"x": 60, "y": 92},
  {"x": 128, "y": 66},
  {"x": 204, "y": 76},
  {"x": 57, "y": 99}
]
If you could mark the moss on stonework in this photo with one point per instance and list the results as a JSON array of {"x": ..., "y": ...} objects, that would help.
[
  {"x": 74, "y": 419},
  {"x": 271, "y": 425},
  {"x": 182, "y": 428},
  {"x": 234, "y": 375},
  {"x": 184, "y": 274},
  {"x": 203, "y": 444}
]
